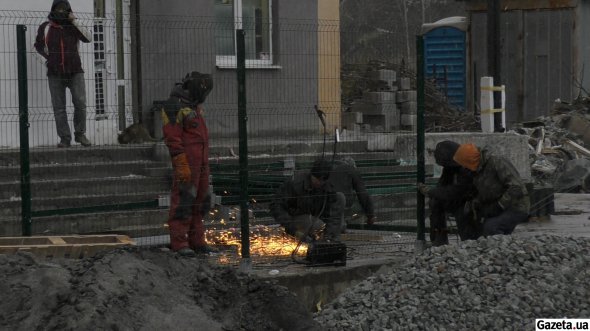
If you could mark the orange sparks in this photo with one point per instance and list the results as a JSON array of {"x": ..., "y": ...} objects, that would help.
[{"x": 264, "y": 241}]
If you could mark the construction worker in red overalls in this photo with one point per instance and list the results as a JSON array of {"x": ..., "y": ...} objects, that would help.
[{"x": 186, "y": 136}]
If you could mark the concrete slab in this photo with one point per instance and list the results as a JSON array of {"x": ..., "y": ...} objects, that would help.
[
  {"x": 572, "y": 218},
  {"x": 403, "y": 146}
]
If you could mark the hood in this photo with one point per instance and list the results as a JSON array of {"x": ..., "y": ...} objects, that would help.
[
  {"x": 56, "y": 2},
  {"x": 59, "y": 18},
  {"x": 444, "y": 152}
]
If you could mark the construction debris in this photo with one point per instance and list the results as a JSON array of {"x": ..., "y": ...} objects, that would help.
[
  {"x": 558, "y": 146},
  {"x": 381, "y": 97}
]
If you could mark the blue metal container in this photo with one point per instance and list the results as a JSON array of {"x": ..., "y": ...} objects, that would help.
[{"x": 445, "y": 58}]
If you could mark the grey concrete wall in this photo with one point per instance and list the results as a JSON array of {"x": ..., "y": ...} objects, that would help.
[
  {"x": 280, "y": 99},
  {"x": 513, "y": 146},
  {"x": 538, "y": 53},
  {"x": 582, "y": 58}
]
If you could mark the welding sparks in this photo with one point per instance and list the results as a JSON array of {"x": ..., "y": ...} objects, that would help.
[{"x": 264, "y": 241}]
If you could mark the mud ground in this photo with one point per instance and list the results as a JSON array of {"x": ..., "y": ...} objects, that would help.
[{"x": 131, "y": 289}]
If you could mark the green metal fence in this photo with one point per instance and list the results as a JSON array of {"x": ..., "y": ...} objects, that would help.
[{"x": 271, "y": 69}]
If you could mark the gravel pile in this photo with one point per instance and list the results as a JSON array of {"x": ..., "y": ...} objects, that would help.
[{"x": 498, "y": 283}]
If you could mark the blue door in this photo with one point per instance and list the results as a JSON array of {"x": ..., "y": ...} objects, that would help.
[{"x": 445, "y": 61}]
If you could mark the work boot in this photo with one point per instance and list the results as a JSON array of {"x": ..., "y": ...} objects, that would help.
[
  {"x": 80, "y": 138},
  {"x": 206, "y": 250},
  {"x": 64, "y": 143},
  {"x": 186, "y": 252},
  {"x": 440, "y": 237}
]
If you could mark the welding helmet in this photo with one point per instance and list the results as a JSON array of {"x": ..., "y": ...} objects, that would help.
[{"x": 198, "y": 86}]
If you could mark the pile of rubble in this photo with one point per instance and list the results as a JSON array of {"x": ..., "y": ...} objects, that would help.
[
  {"x": 498, "y": 283},
  {"x": 558, "y": 146}
]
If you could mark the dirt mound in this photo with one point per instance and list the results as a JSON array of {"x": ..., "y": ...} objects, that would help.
[{"x": 141, "y": 290}]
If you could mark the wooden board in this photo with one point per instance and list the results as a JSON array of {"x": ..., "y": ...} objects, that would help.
[{"x": 63, "y": 246}]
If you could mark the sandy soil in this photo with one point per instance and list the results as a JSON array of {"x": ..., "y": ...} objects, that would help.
[{"x": 133, "y": 289}]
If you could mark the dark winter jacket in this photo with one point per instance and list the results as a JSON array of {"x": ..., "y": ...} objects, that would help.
[
  {"x": 58, "y": 40},
  {"x": 498, "y": 181},
  {"x": 346, "y": 179},
  {"x": 455, "y": 185},
  {"x": 297, "y": 197}
]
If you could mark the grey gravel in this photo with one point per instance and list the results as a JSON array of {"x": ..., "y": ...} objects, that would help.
[{"x": 495, "y": 283}]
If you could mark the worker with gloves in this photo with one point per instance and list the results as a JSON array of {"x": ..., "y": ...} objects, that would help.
[
  {"x": 346, "y": 178},
  {"x": 454, "y": 188},
  {"x": 186, "y": 136},
  {"x": 502, "y": 199},
  {"x": 307, "y": 205}
]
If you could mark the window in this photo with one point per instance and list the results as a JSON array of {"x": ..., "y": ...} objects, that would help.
[{"x": 254, "y": 17}]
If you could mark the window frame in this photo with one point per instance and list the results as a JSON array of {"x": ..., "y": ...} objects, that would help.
[{"x": 230, "y": 61}]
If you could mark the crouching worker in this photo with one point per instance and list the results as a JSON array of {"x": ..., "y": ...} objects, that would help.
[
  {"x": 454, "y": 188},
  {"x": 187, "y": 139},
  {"x": 346, "y": 178},
  {"x": 308, "y": 207},
  {"x": 502, "y": 199}
]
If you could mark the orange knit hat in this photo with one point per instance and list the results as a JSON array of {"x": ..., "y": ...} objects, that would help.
[{"x": 468, "y": 156}]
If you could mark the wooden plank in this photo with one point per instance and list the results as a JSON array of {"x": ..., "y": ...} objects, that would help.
[
  {"x": 75, "y": 252},
  {"x": 578, "y": 148},
  {"x": 64, "y": 246},
  {"x": 56, "y": 241}
]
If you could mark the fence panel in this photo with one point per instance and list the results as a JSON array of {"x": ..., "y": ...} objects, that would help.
[{"x": 297, "y": 78}]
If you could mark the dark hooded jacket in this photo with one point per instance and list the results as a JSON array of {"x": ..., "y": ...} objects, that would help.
[
  {"x": 57, "y": 41},
  {"x": 455, "y": 185},
  {"x": 346, "y": 179},
  {"x": 298, "y": 197}
]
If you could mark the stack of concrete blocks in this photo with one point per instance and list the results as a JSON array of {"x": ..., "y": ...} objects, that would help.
[
  {"x": 377, "y": 110},
  {"x": 406, "y": 103}
]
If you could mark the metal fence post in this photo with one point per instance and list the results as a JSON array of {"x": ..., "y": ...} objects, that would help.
[
  {"x": 420, "y": 213},
  {"x": 245, "y": 264},
  {"x": 23, "y": 112}
]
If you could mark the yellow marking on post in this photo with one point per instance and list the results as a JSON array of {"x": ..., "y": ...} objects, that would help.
[
  {"x": 491, "y": 111},
  {"x": 493, "y": 88}
]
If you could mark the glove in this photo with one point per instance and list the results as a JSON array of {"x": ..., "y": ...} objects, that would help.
[
  {"x": 371, "y": 219},
  {"x": 206, "y": 205},
  {"x": 182, "y": 172},
  {"x": 424, "y": 189}
]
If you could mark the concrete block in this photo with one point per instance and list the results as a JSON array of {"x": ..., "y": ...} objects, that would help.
[
  {"x": 383, "y": 74},
  {"x": 382, "y": 141},
  {"x": 379, "y": 97},
  {"x": 383, "y": 122},
  {"x": 409, "y": 108},
  {"x": 580, "y": 126},
  {"x": 406, "y": 96},
  {"x": 374, "y": 109},
  {"x": 382, "y": 85},
  {"x": 349, "y": 119},
  {"x": 404, "y": 84},
  {"x": 409, "y": 120}
]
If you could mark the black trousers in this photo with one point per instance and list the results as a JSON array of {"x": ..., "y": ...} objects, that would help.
[
  {"x": 467, "y": 227},
  {"x": 503, "y": 223}
]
